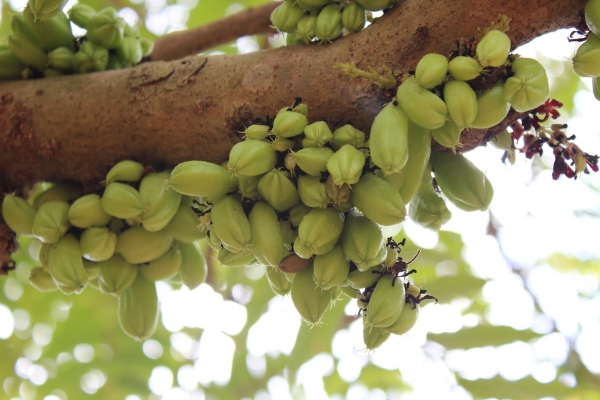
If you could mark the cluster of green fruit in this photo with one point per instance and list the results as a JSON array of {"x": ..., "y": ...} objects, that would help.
[
  {"x": 42, "y": 43},
  {"x": 323, "y": 20},
  {"x": 120, "y": 243},
  {"x": 587, "y": 58}
]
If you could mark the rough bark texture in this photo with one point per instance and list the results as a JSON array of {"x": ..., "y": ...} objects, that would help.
[{"x": 73, "y": 128}]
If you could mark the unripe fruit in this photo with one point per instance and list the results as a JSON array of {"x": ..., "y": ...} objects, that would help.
[
  {"x": 311, "y": 302},
  {"x": 138, "y": 246},
  {"x": 45, "y": 9},
  {"x": 80, "y": 14},
  {"x": 51, "y": 221},
  {"x": 317, "y": 134},
  {"x": 429, "y": 210},
  {"x": 278, "y": 281},
  {"x": 27, "y": 51},
  {"x": 331, "y": 269},
  {"x": 313, "y": 5},
  {"x": 596, "y": 88},
  {"x": 362, "y": 241},
  {"x": 378, "y": 201},
  {"x": 346, "y": 165},
  {"x": 362, "y": 279},
  {"x": 34, "y": 249},
  {"x": 592, "y": 16},
  {"x": 388, "y": 140},
  {"x": 419, "y": 149},
  {"x": 257, "y": 132},
  {"x": 464, "y": 68},
  {"x": 286, "y": 16},
  {"x": 122, "y": 201},
  {"x": 129, "y": 50},
  {"x": 231, "y": 224},
  {"x": 164, "y": 267},
  {"x": 10, "y": 65},
  {"x": 373, "y": 338},
  {"x": 98, "y": 244},
  {"x": 42, "y": 280},
  {"x": 116, "y": 275},
  {"x": 239, "y": 259},
  {"x": 55, "y": 193},
  {"x": 160, "y": 201},
  {"x": 106, "y": 28},
  {"x": 348, "y": 134},
  {"x": 528, "y": 87},
  {"x": 462, "y": 182},
  {"x": 66, "y": 265},
  {"x": 448, "y": 135},
  {"x": 193, "y": 268},
  {"x": 90, "y": 57},
  {"x": 297, "y": 213},
  {"x": 431, "y": 70},
  {"x": 277, "y": 190},
  {"x": 374, "y": 5},
  {"x": 353, "y": 17},
  {"x": 305, "y": 29},
  {"x": 126, "y": 171},
  {"x": 587, "y": 58},
  {"x": 329, "y": 23},
  {"x": 420, "y": 105},
  {"x": 61, "y": 58},
  {"x": 267, "y": 240},
  {"x": 407, "y": 319},
  {"x": 52, "y": 33},
  {"x": 20, "y": 24},
  {"x": 350, "y": 291},
  {"x": 461, "y": 101},
  {"x": 492, "y": 107},
  {"x": 386, "y": 302},
  {"x": 289, "y": 123},
  {"x": 18, "y": 214},
  {"x": 184, "y": 226},
  {"x": 87, "y": 211},
  {"x": 318, "y": 232},
  {"x": 200, "y": 178},
  {"x": 313, "y": 160},
  {"x": 492, "y": 50},
  {"x": 251, "y": 158},
  {"x": 139, "y": 309}
]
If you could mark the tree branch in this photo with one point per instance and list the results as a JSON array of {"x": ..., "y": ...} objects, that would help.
[{"x": 250, "y": 21}]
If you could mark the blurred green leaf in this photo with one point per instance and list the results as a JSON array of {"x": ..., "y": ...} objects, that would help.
[
  {"x": 524, "y": 389},
  {"x": 374, "y": 377},
  {"x": 480, "y": 336}
]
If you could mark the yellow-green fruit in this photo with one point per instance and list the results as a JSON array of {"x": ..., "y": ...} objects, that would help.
[
  {"x": 331, "y": 269},
  {"x": 448, "y": 135},
  {"x": 18, "y": 214},
  {"x": 362, "y": 241},
  {"x": 374, "y": 5},
  {"x": 61, "y": 59},
  {"x": 278, "y": 281},
  {"x": 407, "y": 319},
  {"x": 276, "y": 189},
  {"x": 42, "y": 280},
  {"x": 44, "y": 255},
  {"x": 353, "y": 17},
  {"x": 126, "y": 171},
  {"x": 431, "y": 70},
  {"x": 184, "y": 226},
  {"x": 329, "y": 23},
  {"x": 98, "y": 244},
  {"x": 373, "y": 337},
  {"x": 592, "y": 16},
  {"x": 55, "y": 193},
  {"x": 248, "y": 186},
  {"x": 251, "y": 157},
  {"x": 492, "y": 107},
  {"x": 80, "y": 14},
  {"x": 464, "y": 68},
  {"x": 286, "y": 16},
  {"x": 350, "y": 291},
  {"x": 429, "y": 210},
  {"x": 386, "y": 302},
  {"x": 231, "y": 224},
  {"x": 164, "y": 267},
  {"x": 587, "y": 58},
  {"x": 528, "y": 87},
  {"x": 310, "y": 301},
  {"x": 362, "y": 279},
  {"x": 297, "y": 213},
  {"x": 27, "y": 51},
  {"x": 87, "y": 211},
  {"x": 313, "y": 5},
  {"x": 420, "y": 105},
  {"x": 348, "y": 134},
  {"x": 289, "y": 123},
  {"x": 51, "y": 221},
  {"x": 492, "y": 50},
  {"x": 288, "y": 234},
  {"x": 53, "y": 32},
  {"x": 389, "y": 139},
  {"x": 313, "y": 192},
  {"x": 138, "y": 246},
  {"x": 34, "y": 249},
  {"x": 462, "y": 182},
  {"x": 419, "y": 149},
  {"x": 231, "y": 259},
  {"x": 257, "y": 132},
  {"x": 193, "y": 269},
  {"x": 160, "y": 201},
  {"x": 44, "y": 9},
  {"x": 317, "y": 134},
  {"x": 461, "y": 101},
  {"x": 305, "y": 29},
  {"x": 318, "y": 232},
  {"x": 122, "y": 201},
  {"x": 339, "y": 195},
  {"x": 116, "y": 275},
  {"x": 90, "y": 57},
  {"x": 267, "y": 240},
  {"x": 106, "y": 28},
  {"x": 313, "y": 160},
  {"x": 200, "y": 178},
  {"x": 596, "y": 88},
  {"x": 378, "y": 200},
  {"x": 10, "y": 65},
  {"x": 139, "y": 309},
  {"x": 129, "y": 50},
  {"x": 66, "y": 265},
  {"x": 92, "y": 270}
]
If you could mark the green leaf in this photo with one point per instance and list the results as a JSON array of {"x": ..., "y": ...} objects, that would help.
[
  {"x": 482, "y": 335},
  {"x": 524, "y": 389}
]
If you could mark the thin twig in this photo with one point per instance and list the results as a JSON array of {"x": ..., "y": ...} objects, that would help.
[{"x": 250, "y": 21}]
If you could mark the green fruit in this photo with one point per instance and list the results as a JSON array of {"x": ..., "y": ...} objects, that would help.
[
  {"x": 386, "y": 302},
  {"x": 431, "y": 70},
  {"x": 461, "y": 101},
  {"x": 90, "y": 57},
  {"x": 80, "y": 14},
  {"x": 257, "y": 132},
  {"x": 448, "y": 135},
  {"x": 139, "y": 309},
  {"x": 587, "y": 58},
  {"x": 317, "y": 134},
  {"x": 492, "y": 108},
  {"x": 419, "y": 149},
  {"x": 313, "y": 160},
  {"x": 41, "y": 280},
  {"x": 87, "y": 211},
  {"x": 53, "y": 32},
  {"x": 305, "y": 29},
  {"x": 310, "y": 301},
  {"x": 492, "y": 50},
  {"x": 164, "y": 267},
  {"x": 528, "y": 87},
  {"x": 353, "y": 17},
  {"x": 374, "y": 5},
  {"x": 462, "y": 182},
  {"x": 267, "y": 239},
  {"x": 388, "y": 140},
  {"x": 297, "y": 213},
  {"x": 106, "y": 28},
  {"x": 138, "y": 246},
  {"x": 407, "y": 319},
  {"x": 66, "y": 265},
  {"x": 129, "y": 50},
  {"x": 98, "y": 244},
  {"x": 278, "y": 281},
  {"x": 45, "y": 9},
  {"x": 362, "y": 279},
  {"x": 318, "y": 232},
  {"x": 231, "y": 224},
  {"x": 61, "y": 58},
  {"x": 193, "y": 268},
  {"x": 239, "y": 259},
  {"x": 362, "y": 241},
  {"x": 251, "y": 158},
  {"x": 464, "y": 68},
  {"x": 348, "y": 134},
  {"x": 596, "y": 88},
  {"x": 55, "y": 193},
  {"x": 184, "y": 226},
  {"x": 378, "y": 200},
  {"x": 286, "y": 16},
  {"x": 10, "y": 65},
  {"x": 160, "y": 201},
  {"x": 288, "y": 124},
  {"x": 429, "y": 210},
  {"x": 276, "y": 189},
  {"x": 122, "y": 201},
  {"x": 373, "y": 338},
  {"x": 592, "y": 16},
  {"x": 116, "y": 275},
  {"x": 331, "y": 269},
  {"x": 329, "y": 23},
  {"x": 313, "y": 5},
  {"x": 200, "y": 178},
  {"x": 126, "y": 171},
  {"x": 312, "y": 192},
  {"x": 27, "y": 51},
  {"x": 18, "y": 214},
  {"x": 51, "y": 221},
  {"x": 420, "y": 105},
  {"x": 339, "y": 195}
]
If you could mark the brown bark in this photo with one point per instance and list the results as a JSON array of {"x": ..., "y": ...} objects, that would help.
[{"x": 73, "y": 128}]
